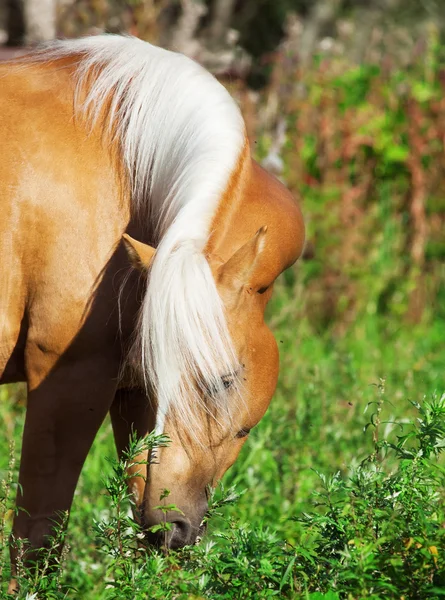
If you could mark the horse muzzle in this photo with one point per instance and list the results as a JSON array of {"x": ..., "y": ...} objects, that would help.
[{"x": 173, "y": 530}]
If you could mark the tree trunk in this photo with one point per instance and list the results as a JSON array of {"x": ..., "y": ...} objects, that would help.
[
  {"x": 40, "y": 20},
  {"x": 220, "y": 23},
  {"x": 183, "y": 38},
  {"x": 322, "y": 14},
  {"x": 366, "y": 18}
]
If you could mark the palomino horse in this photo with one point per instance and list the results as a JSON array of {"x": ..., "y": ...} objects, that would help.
[{"x": 103, "y": 138}]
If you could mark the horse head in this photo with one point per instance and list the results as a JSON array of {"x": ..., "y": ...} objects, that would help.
[{"x": 250, "y": 246}]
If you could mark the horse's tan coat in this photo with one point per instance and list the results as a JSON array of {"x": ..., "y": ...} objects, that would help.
[{"x": 64, "y": 210}]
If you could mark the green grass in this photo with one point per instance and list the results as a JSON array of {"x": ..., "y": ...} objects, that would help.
[{"x": 276, "y": 539}]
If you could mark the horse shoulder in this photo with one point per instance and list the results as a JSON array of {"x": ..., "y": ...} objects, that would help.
[{"x": 64, "y": 212}]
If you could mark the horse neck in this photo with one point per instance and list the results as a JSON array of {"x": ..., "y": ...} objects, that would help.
[{"x": 225, "y": 221}]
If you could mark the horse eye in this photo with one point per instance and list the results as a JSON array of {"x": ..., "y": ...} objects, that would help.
[
  {"x": 213, "y": 389},
  {"x": 227, "y": 381},
  {"x": 243, "y": 433}
]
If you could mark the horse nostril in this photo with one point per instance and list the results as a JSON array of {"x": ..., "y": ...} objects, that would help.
[
  {"x": 178, "y": 530},
  {"x": 177, "y": 536},
  {"x": 180, "y": 534}
]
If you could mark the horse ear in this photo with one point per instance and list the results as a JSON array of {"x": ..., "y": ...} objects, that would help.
[
  {"x": 140, "y": 254},
  {"x": 238, "y": 270}
]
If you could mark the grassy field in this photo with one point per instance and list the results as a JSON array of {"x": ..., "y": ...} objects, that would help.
[
  {"x": 314, "y": 428},
  {"x": 340, "y": 489}
]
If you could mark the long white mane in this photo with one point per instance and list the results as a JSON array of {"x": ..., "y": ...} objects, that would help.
[{"x": 181, "y": 135}]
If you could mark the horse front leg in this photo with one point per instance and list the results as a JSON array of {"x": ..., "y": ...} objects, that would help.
[
  {"x": 64, "y": 413},
  {"x": 132, "y": 413}
]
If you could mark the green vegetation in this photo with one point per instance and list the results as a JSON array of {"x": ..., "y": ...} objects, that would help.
[
  {"x": 326, "y": 506},
  {"x": 339, "y": 492}
]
